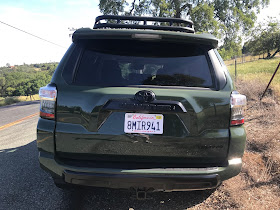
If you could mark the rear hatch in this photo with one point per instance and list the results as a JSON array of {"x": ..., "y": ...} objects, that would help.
[{"x": 110, "y": 82}]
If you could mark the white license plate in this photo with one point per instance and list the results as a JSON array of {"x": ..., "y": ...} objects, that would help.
[{"x": 143, "y": 123}]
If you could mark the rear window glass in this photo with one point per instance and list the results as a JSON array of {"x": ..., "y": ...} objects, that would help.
[{"x": 125, "y": 63}]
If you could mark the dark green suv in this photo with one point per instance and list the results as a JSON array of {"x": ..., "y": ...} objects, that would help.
[{"x": 141, "y": 103}]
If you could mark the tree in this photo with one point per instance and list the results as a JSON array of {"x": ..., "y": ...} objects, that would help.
[
  {"x": 112, "y": 7},
  {"x": 230, "y": 49},
  {"x": 25, "y": 80},
  {"x": 226, "y": 19},
  {"x": 2, "y": 85},
  {"x": 265, "y": 39}
]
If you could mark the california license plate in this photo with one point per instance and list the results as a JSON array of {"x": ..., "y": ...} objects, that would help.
[{"x": 143, "y": 123}]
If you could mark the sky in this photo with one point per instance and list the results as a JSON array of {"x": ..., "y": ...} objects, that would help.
[{"x": 51, "y": 20}]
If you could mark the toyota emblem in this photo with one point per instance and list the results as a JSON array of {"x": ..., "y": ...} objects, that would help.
[{"x": 145, "y": 96}]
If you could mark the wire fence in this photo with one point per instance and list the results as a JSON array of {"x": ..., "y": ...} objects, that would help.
[{"x": 244, "y": 59}]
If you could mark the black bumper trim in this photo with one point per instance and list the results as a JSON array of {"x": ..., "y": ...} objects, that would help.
[{"x": 155, "y": 182}]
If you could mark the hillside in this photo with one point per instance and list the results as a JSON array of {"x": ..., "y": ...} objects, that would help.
[{"x": 24, "y": 80}]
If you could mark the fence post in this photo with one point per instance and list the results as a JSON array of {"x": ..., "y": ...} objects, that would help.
[
  {"x": 235, "y": 70},
  {"x": 270, "y": 81}
]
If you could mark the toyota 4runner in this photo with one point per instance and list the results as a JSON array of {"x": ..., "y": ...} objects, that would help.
[{"x": 141, "y": 103}]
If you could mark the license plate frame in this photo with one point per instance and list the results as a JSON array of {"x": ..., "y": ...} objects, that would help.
[{"x": 143, "y": 123}]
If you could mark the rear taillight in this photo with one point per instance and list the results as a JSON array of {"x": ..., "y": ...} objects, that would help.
[
  {"x": 238, "y": 104},
  {"x": 48, "y": 98}
]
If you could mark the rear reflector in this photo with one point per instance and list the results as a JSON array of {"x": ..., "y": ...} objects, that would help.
[
  {"x": 46, "y": 115},
  {"x": 48, "y": 98},
  {"x": 238, "y": 104},
  {"x": 237, "y": 122}
]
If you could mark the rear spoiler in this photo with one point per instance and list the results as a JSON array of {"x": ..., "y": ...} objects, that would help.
[{"x": 134, "y": 34}]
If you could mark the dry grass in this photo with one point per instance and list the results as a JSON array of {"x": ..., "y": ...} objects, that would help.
[
  {"x": 28, "y": 98},
  {"x": 258, "y": 184},
  {"x": 15, "y": 99}
]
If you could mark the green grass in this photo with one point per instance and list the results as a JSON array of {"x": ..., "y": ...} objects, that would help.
[{"x": 260, "y": 70}]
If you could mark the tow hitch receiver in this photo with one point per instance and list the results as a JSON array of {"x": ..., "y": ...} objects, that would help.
[{"x": 141, "y": 194}]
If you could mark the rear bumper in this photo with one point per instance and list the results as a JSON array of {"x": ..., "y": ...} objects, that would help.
[
  {"x": 144, "y": 181},
  {"x": 155, "y": 179}
]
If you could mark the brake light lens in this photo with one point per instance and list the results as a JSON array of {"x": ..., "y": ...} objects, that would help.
[
  {"x": 146, "y": 36},
  {"x": 48, "y": 98},
  {"x": 238, "y": 104}
]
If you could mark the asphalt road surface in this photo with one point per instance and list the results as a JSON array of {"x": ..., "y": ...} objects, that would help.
[{"x": 23, "y": 185}]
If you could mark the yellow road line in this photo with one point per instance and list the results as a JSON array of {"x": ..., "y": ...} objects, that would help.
[{"x": 18, "y": 121}]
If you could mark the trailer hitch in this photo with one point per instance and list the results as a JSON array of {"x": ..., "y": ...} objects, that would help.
[{"x": 141, "y": 194}]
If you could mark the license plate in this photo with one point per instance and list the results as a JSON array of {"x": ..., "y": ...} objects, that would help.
[{"x": 143, "y": 123}]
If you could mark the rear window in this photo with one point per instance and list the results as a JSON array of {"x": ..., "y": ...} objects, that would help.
[{"x": 130, "y": 63}]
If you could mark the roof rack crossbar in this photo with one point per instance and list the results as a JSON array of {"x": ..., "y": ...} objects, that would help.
[{"x": 187, "y": 24}]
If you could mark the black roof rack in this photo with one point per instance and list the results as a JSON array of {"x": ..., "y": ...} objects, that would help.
[{"x": 136, "y": 22}]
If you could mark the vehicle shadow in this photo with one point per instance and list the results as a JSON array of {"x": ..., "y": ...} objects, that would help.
[{"x": 24, "y": 185}]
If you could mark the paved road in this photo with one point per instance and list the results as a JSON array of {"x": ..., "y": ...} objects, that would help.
[
  {"x": 17, "y": 111},
  {"x": 23, "y": 185}
]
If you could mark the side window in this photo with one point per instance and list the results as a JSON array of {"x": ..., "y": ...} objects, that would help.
[
  {"x": 71, "y": 64},
  {"x": 219, "y": 57},
  {"x": 219, "y": 67}
]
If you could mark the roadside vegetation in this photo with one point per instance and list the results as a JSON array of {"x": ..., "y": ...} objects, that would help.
[
  {"x": 258, "y": 184},
  {"x": 260, "y": 177},
  {"x": 261, "y": 69},
  {"x": 21, "y": 82},
  {"x": 265, "y": 39},
  {"x": 15, "y": 99}
]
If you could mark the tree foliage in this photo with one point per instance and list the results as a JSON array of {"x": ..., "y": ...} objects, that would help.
[
  {"x": 112, "y": 7},
  {"x": 265, "y": 39},
  {"x": 226, "y": 19},
  {"x": 25, "y": 80}
]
